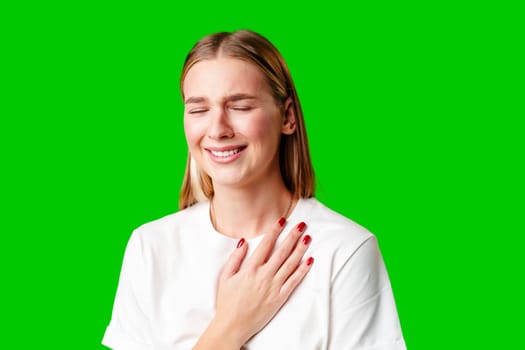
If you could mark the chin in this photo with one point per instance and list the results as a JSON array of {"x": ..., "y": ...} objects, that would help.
[
  {"x": 230, "y": 181},
  {"x": 226, "y": 177}
]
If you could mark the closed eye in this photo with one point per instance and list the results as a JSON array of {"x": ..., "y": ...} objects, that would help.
[
  {"x": 241, "y": 108},
  {"x": 197, "y": 110}
]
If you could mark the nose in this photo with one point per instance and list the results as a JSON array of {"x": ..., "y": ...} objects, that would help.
[{"x": 219, "y": 126}]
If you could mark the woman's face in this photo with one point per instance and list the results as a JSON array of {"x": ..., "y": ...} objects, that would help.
[{"x": 232, "y": 123}]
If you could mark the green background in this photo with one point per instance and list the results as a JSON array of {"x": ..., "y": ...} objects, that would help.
[{"x": 414, "y": 116}]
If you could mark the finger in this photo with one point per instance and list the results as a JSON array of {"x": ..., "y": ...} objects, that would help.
[
  {"x": 290, "y": 265},
  {"x": 260, "y": 255},
  {"x": 235, "y": 260},
  {"x": 286, "y": 248},
  {"x": 293, "y": 281}
]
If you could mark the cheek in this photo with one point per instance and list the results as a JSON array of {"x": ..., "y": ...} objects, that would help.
[
  {"x": 264, "y": 128},
  {"x": 193, "y": 132}
]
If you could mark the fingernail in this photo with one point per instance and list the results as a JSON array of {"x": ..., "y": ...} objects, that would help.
[
  {"x": 241, "y": 242},
  {"x": 282, "y": 221},
  {"x": 307, "y": 239},
  {"x": 310, "y": 261},
  {"x": 301, "y": 227}
]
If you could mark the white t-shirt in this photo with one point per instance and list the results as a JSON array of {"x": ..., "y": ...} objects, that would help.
[{"x": 166, "y": 293}]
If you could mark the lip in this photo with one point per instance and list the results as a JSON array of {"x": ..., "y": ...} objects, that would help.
[{"x": 224, "y": 159}]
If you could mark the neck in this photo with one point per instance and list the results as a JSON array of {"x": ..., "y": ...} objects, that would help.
[{"x": 242, "y": 212}]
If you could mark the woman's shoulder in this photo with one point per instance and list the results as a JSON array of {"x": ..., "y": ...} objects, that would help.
[
  {"x": 322, "y": 217},
  {"x": 331, "y": 229},
  {"x": 170, "y": 225}
]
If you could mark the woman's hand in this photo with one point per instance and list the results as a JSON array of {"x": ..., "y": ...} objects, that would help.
[{"x": 248, "y": 297}]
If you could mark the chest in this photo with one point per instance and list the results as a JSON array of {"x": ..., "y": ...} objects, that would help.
[{"x": 185, "y": 303}]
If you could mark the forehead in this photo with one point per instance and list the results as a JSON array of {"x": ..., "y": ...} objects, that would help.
[{"x": 224, "y": 76}]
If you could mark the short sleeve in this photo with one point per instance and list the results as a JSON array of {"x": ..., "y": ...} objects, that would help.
[
  {"x": 363, "y": 311},
  {"x": 130, "y": 328}
]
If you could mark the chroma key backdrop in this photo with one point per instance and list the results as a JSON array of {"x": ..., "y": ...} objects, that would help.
[{"x": 412, "y": 112}]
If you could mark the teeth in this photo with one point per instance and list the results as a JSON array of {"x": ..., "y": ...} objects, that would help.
[{"x": 225, "y": 153}]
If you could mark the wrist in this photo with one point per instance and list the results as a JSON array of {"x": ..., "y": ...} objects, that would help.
[{"x": 219, "y": 336}]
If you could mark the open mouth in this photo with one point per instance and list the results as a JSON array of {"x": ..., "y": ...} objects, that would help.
[{"x": 228, "y": 153}]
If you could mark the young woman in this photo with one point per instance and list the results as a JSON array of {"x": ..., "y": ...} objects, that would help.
[{"x": 234, "y": 268}]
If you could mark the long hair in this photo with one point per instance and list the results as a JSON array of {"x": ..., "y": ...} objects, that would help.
[{"x": 294, "y": 155}]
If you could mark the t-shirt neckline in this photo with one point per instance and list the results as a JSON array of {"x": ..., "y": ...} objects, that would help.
[{"x": 291, "y": 219}]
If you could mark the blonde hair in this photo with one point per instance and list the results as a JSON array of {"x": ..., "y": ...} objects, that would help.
[{"x": 294, "y": 155}]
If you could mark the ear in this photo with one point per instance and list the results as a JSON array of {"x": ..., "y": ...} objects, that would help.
[{"x": 289, "y": 122}]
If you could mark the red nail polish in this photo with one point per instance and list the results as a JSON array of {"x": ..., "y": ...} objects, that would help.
[
  {"x": 310, "y": 261},
  {"x": 241, "y": 242},
  {"x": 307, "y": 239},
  {"x": 301, "y": 227},
  {"x": 282, "y": 221}
]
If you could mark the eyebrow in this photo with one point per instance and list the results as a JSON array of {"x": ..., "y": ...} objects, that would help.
[
  {"x": 194, "y": 100},
  {"x": 238, "y": 97},
  {"x": 231, "y": 98}
]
